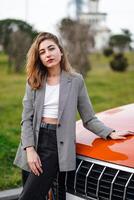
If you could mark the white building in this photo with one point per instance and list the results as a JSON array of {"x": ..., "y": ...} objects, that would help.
[
  {"x": 96, "y": 20},
  {"x": 102, "y": 38}
]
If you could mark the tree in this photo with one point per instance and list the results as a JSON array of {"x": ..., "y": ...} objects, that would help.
[
  {"x": 121, "y": 41},
  {"x": 117, "y": 45},
  {"x": 77, "y": 40},
  {"x": 16, "y": 37},
  {"x": 17, "y": 49}
]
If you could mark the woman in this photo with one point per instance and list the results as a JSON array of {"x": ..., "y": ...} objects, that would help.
[{"x": 54, "y": 92}]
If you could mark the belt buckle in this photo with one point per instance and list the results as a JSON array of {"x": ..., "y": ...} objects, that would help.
[
  {"x": 48, "y": 126},
  {"x": 44, "y": 125}
]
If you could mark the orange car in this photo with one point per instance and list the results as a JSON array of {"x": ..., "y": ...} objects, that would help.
[{"x": 105, "y": 168}]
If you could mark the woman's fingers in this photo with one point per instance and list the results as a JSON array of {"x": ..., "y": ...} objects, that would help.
[
  {"x": 121, "y": 137},
  {"x": 39, "y": 161},
  {"x": 131, "y": 132},
  {"x": 121, "y": 134},
  {"x": 125, "y": 133},
  {"x": 34, "y": 162},
  {"x": 34, "y": 169},
  {"x": 38, "y": 166}
]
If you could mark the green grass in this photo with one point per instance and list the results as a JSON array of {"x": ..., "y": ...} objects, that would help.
[
  {"x": 106, "y": 88},
  {"x": 109, "y": 89},
  {"x": 11, "y": 92}
]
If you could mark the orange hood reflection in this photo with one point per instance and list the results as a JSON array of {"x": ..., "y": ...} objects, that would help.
[{"x": 115, "y": 151}]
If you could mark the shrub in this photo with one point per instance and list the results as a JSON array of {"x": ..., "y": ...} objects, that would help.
[
  {"x": 119, "y": 62},
  {"x": 108, "y": 52}
]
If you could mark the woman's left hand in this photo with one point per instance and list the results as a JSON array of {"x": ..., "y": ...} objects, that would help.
[{"x": 120, "y": 134}]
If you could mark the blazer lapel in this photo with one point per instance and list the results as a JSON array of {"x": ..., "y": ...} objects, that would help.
[
  {"x": 65, "y": 84},
  {"x": 40, "y": 94}
]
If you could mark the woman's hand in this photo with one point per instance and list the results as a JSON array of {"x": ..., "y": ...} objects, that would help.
[
  {"x": 34, "y": 161},
  {"x": 120, "y": 134}
]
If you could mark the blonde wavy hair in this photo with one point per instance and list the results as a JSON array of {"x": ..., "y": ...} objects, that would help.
[{"x": 35, "y": 70}]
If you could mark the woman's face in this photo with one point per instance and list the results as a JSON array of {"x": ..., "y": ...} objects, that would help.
[{"x": 49, "y": 53}]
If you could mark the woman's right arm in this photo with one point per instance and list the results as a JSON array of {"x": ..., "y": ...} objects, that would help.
[{"x": 27, "y": 136}]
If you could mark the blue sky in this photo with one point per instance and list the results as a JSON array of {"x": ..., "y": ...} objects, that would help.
[{"x": 45, "y": 14}]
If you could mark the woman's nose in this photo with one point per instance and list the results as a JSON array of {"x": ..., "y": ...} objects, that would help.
[{"x": 48, "y": 54}]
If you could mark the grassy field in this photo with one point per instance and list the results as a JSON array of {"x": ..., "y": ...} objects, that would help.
[
  {"x": 11, "y": 92},
  {"x": 106, "y": 88}
]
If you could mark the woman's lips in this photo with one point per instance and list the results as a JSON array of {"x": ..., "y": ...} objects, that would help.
[{"x": 50, "y": 61}]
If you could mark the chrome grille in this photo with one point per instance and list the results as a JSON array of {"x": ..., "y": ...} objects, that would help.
[
  {"x": 130, "y": 188},
  {"x": 80, "y": 181},
  {"x": 92, "y": 180}
]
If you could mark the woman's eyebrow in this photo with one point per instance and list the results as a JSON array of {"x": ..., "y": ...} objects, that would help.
[
  {"x": 52, "y": 45},
  {"x": 47, "y": 47}
]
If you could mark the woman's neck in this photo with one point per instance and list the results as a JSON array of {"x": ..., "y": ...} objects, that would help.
[{"x": 53, "y": 73}]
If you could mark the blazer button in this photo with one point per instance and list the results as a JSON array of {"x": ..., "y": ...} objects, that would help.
[
  {"x": 59, "y": 125},
  {"x": 61, "y": 142}
]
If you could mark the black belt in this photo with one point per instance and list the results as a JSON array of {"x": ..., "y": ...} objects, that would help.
[{"x": 48, "y": 126}]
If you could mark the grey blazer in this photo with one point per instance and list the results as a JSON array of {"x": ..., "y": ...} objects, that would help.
[{"x": 73, "y": 95}]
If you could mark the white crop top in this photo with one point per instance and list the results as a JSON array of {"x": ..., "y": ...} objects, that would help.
[{"x": 51, "y": 101}]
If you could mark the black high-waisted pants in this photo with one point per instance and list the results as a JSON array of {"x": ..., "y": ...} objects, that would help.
[{"x": 37, "y": 187}]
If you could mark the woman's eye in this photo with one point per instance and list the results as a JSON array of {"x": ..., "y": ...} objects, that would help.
[
  {"x": 42, "y": 52},
  {"x": 51, "y": 49}
]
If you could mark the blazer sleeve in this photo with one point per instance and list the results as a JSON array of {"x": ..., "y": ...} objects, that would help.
[
  {"x": 27, "y": 136},
  {"x": 87, "y": 114}
]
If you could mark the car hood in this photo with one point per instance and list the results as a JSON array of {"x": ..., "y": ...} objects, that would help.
[{"x": 115, "y": 151}]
